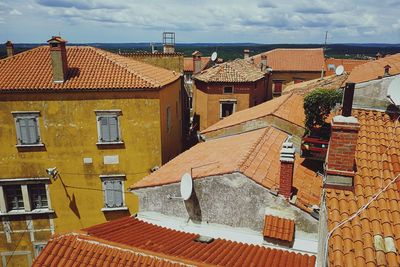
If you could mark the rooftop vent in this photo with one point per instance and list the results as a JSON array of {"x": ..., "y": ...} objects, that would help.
[{"x": 204, "y": 239}]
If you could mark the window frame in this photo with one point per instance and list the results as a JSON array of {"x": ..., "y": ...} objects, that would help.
[
  {"x": 113, "y": 177},
  {"x": 24, "y": 184},
  {"x": 38, "y": 245},
  {"x": 274, "y": 90},
  {"x": 19, "y": 197},
  {"x": 227, "y": 101},
  {"x": 113, "y": 113},
  {"x": 32, "y": 200},
  {"x": 18, "y": 115}
]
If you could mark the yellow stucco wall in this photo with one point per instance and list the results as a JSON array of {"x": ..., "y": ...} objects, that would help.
[
  {"x": 68, "y": 128},
  {"x": 200, "y": 106}
]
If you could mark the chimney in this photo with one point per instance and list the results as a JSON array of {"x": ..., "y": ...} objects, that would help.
[
  {"x": 387, "y": 69},
  {"x": 246, "y": 53},
  {"x": 10, "y": 48},
  {"x": 287, "y": 167},
  {"x": 340, "y": 158},
  {"x": 263, "y": 62},
  {"x": 169, "y": 49},
  {"x": 58, "y": 58},
  {"x": 196, "y": 62},
  {"x": 378, "y": 56}
]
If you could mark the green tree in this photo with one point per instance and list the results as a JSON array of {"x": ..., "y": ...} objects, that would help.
[{"x": 318, "y": 104}]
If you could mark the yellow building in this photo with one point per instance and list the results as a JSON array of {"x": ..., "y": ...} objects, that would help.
[{"x": 78, "y": 125}]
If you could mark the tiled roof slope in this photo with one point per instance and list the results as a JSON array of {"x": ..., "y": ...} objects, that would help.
[
  {"x": 255, "y": 154},
  {"x": 88, "y": 68},
  {"x": 238, "y": 70},
  {"x": 188, "y": 63},
  {"x": 133, "y": 232},
  {"x": 278, "y": 228},
  {"x": 348, "y": 64},
  {"x": 373, "y": 237},
  {"x": 372, "y": 70},
  {"x": 281, "y": 107},
  {"x": 291, "y": 59},
  {"x": 330, "y": 83},
  {"x": 82, "y": 250}
]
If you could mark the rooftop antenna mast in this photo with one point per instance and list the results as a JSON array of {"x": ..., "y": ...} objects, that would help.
[{"x": 324, "y": 49}]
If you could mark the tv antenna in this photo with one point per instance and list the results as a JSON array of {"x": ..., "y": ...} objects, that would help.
[
  {"x": 186, "y": 187},
  {"x": 393, "y": 92},
  {"x": 339, "y": 70}
]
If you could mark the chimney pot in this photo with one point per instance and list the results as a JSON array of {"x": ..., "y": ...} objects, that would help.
[
  {"x": 263, "y": 62},
  {"x": 287, "y": 158},
  {"x": 10, "y": 48},
  {"x": 386, "y": 71},
  {"x": 59, "y": 62},
  {"x": 246, "y": 53},
  {"x": 196, "y": 62}
]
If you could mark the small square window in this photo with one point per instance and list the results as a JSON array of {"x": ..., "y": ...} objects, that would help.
[
  {"x": 38, "y": 247},
  {"x": 14, "y": 199},
  {"x": 228, "y": 90},
  {"x": 108, "y": 127},
  {"x": 38, "y": 196},
  {"x": 27, "y": 126},
  {"x": 227, "y": 108},
  {"x": 113, "y": 192}
]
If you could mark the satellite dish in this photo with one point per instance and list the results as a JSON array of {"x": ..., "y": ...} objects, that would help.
[
  {"x": 339, "y": 70},
  {"x": 186, "y": 186},
  {"x": 214, "y": 56},
  {"x": 393, "y": 92}
]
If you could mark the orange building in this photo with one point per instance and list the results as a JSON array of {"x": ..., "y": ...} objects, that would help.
[
  {"x": 226, "y": 88},
  {"x": 288, "y": 66}
]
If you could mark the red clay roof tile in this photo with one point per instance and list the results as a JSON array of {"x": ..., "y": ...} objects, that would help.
[
  {"x": 353, "y": 244},
  {"x": 348, "y": 64},
  {"x": 278, "y": 228},
  {"x": 180, "y": 245},
  {"x": 88, "y": 68}
]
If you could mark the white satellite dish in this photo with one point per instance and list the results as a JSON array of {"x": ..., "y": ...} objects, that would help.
[
  {"x": 393, "y": 92},
  {"x": 214, "y": 56},
  {"x": 186, "y": 186},
  {"x": 339, "y": 70}
]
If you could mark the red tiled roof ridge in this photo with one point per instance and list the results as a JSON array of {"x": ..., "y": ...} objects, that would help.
[
  {"x": 89, "y": 239},
  {"x": 136, "y": 72},
  {"x": 286, "y": 98}
]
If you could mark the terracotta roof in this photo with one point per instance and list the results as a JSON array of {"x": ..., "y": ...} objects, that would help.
[
  {"x": 255, "y": 154},
  {"x": 291, "y": 59},
  {"x": 373, "y": 237},
  {"x": 278, "y": 228},
  {"x": 76, "y": 249},
  {"x": 89, "y": 68},
  {"x": 136, "y": 233},
  {"x": 188, "y": 63},
  {"x": 330, "y": 82},
  {"x": 281, "y": 107},
  {"x": 238, "y": 70},
  {"x": 348, "y": 64},
  {"x": 375, "y": 69}
]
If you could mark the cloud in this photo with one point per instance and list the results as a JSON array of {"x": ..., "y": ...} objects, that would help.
[
  {"x": 80, "y": 4},
  {"x": 15, "y": 12},
  {"x": 313, "y": 10},
  {"x": 267, "y": 4}
]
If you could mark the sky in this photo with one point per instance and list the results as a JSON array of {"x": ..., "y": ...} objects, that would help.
[{"x": 203, "y": 21}]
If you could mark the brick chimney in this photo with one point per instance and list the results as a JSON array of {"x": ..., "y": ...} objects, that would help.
[
  {"x": 10, "y": 48},
  {"x": 246, "y": 53},
  {"x": 59, "y": 62},
  {"x": 386, "y": 71},
  {"x": 263, "y": 62},
  {"x": 340, "y": 160},
  {"x": 196, "y": 62},
  {"x": 287, "y": 167}
]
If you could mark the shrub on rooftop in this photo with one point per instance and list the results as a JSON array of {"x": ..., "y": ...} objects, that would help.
[{"x": 318, "y": 105}]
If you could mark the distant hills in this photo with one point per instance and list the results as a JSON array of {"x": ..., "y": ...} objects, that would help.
[{"x": 229, "y": 51}]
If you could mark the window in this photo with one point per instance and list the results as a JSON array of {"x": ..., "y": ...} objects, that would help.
[
  {"x": 38, "y": 247},
  {"x": 108, "y": 126},
  {"x": 27, "y": 126},
  {"x": 38, "y": 196},
  {"x": 278, "y": 87},
  {"x": 168, "y": 114},
  {"x": 227, "y": 107},
  {"x": 113, "y": 187},
  {"x": 14, "y": 199},
  {"x": 228, "y": 90}
]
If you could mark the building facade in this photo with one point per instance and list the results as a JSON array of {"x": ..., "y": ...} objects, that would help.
[{"x": 78, "y": 126}]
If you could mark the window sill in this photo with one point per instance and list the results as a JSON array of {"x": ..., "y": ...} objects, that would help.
[
  {"x": 114, "y": 209},
  {"x": 23, "y": 212},
  {"x": 110, "y": 143},
  {"x": 30, "y": 145}
]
